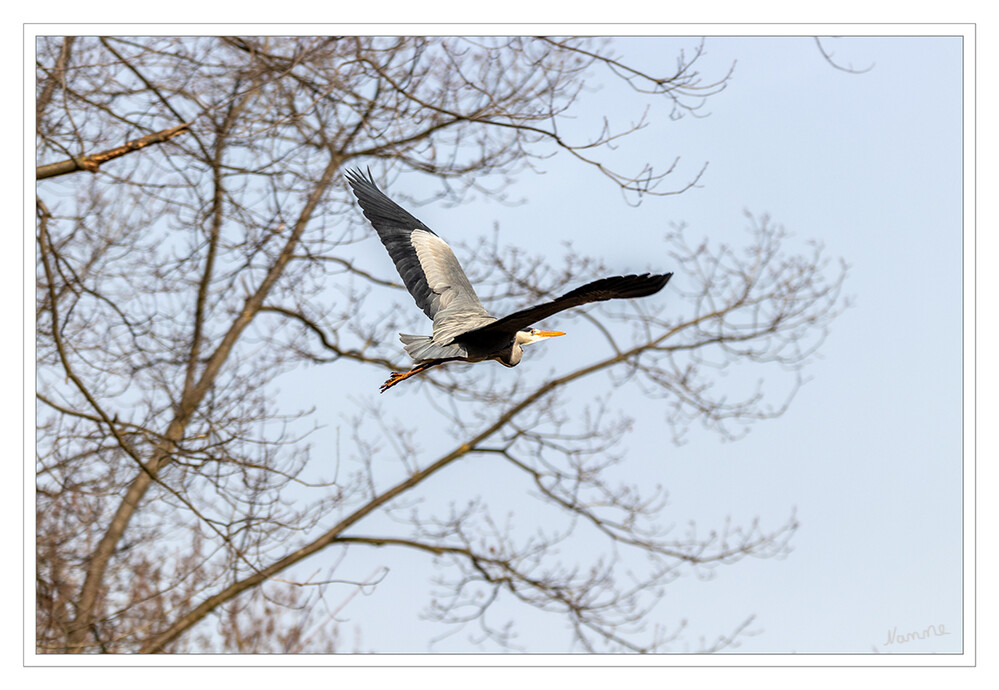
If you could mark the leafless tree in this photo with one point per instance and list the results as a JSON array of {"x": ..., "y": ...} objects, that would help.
[{"x": 195, "y": 245}]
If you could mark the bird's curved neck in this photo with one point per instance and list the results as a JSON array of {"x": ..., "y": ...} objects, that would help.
[{"x": 516, "y": 354}]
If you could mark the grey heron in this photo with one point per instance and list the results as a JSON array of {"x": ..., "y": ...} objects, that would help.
[{"x": 463, "y": 330}]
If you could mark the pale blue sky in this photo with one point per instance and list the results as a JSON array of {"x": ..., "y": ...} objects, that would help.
[{"x": 870, "y": 452}]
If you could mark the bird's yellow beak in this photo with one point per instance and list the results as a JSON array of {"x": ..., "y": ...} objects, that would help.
[{"x": 549, "y": 334}]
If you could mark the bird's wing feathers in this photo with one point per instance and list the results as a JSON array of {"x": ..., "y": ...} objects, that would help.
[
  {"x": 441, "y": 270},
  {"x": 440, "y": 287},
  {"x": 425, "y": 262},
  {"x": 394, "y": 226},
  {"x": 616, "y": 287}
]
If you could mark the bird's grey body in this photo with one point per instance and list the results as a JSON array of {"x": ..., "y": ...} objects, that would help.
[{"x": 463, "y": 329}]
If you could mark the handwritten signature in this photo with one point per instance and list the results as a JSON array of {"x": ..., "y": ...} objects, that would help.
[{"x": 930, "y": 631}]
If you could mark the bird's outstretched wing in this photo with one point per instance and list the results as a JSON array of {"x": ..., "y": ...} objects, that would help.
[
  {"x": 425, "y": 262},
  {"x": 616, "y": 287}
]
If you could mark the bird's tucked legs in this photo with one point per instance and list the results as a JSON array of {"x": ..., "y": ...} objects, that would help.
[{"x": 397, "y": 377}]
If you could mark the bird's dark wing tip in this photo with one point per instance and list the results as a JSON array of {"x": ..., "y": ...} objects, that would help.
[
  {"x": 654, "y": 282},
  {"x": 620, "y": 287},
  {"x": 356, "y": 177}
]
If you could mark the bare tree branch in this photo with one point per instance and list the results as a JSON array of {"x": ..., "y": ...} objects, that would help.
[
  {"x": 828, "y": 57},
  {"x": 93, "y": 161}
]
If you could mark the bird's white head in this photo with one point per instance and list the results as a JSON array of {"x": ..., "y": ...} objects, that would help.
[{"x": 534, "y": 335}]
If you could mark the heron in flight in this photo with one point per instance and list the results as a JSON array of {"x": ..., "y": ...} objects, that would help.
[{"x": 463, "y": 330}]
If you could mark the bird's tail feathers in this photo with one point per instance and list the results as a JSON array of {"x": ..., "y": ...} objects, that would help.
[{"x": 422, "y": 348}]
